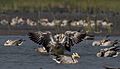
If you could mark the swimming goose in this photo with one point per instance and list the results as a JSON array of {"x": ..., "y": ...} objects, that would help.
[
  {"x": 58, "y": 43},
  {"x": 109, "y": 52},
  {"x": 14, "y": 42},
  {"x": 108, "y": 67},
  {"x": 105, "y": 42},
  {"x": 71, "y": 59}
]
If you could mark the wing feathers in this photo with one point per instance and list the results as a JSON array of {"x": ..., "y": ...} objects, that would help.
[
  {"x": 40, "y": 37},
  {"x": 74, "y": 37}
]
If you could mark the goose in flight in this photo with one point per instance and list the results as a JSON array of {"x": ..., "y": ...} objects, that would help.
[
  {"x": 56, "y": 44},
  {"x": 17, "y": 42},
  {"x": 66, "y": 59}
]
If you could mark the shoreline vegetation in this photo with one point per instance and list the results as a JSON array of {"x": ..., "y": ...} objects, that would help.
[
  {"x": 9, "y": 16},
  {"x": 55, "y": 5}
]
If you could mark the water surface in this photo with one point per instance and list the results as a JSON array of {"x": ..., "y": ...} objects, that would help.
[{"x": 24, "y": 56}]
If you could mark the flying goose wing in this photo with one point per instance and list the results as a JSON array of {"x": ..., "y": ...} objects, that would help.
[
  {"x": 74, "y": 37},
  {"x": 41, "y": 38}
]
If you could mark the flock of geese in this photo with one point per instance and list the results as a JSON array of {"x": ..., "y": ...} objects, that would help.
[{"x": 55, "y": 45}]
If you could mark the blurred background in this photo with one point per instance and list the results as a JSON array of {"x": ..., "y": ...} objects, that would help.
[{"x": 93, "y": 16}]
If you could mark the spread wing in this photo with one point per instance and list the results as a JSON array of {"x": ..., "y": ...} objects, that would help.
[
  {"x": 41, "y": 38},
  {"x": 74, "y": 37}
]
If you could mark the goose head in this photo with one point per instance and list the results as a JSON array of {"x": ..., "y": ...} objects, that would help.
[
  {"x": 8, "y": 43},
  {"x": 56, "y": 37},
  {"x": 96, "y": 43},
  {"x": 100, "y": 54}
]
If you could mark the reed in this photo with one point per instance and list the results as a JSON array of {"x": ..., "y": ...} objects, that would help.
[{"x": 31, "y": 5}]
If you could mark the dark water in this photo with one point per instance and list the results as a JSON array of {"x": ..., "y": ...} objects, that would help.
[{"x": 24, "y": 57}]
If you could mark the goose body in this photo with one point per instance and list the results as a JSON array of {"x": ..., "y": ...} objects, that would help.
[
  {"x": 63, "y": 59},
  {"x": 108, "y": 52},
  {"x": 104, "y": 43},
  {"x": 56, "y": 44},
  {"x": 13, "y": 42}
]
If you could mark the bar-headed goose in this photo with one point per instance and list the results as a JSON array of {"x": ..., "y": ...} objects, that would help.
[
  {"x": 58, "y": 43},
  {"x": 65, "y": 59},
  {"x": 109, "y": 52},
  {"x": 17, "y": 42},
  {"x": 105, "y": 42}
]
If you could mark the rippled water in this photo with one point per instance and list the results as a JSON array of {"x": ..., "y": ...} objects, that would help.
[{"x": 24, "y": 57}]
